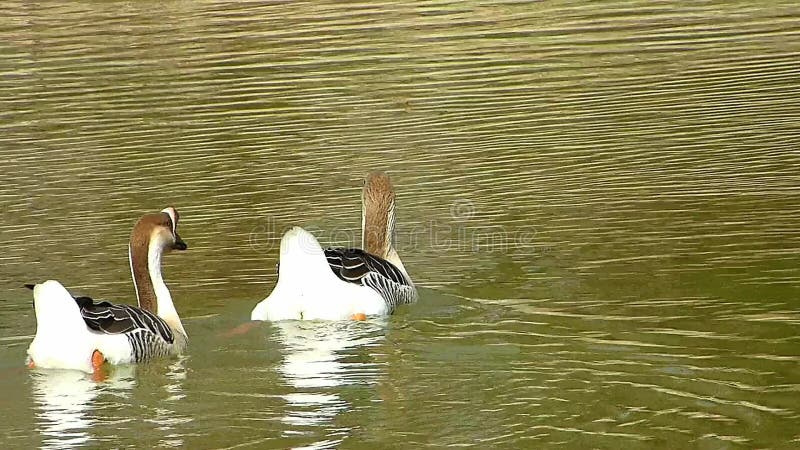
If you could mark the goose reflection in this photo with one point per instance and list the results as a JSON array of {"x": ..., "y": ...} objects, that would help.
[
  {"x": 166, "y": 420},
  {"x": 65, "y": 400},
  {"x": 70, "y": 404},
  {"x": 319, "y": 358}
]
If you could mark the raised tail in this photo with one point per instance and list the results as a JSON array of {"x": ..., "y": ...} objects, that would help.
[
  {"x": 302, "y": 268},
  {"x": 301, "y": 257},
  {"x": 62, "y": 339},
  {"x": 56, "y": 310}
]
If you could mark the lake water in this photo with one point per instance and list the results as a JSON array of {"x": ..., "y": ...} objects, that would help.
[{"x": 600, "y": 203}]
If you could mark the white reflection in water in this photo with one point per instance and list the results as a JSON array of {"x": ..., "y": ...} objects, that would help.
[
  {"x": 176, "y": 376},
  {"x": 164, "y": 419},
  {"x": 315, "y": 362},
  {"x": 65, "y": 400}
]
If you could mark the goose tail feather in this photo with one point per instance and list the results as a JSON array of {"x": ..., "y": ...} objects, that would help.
[{"x": 62, "y": 339}]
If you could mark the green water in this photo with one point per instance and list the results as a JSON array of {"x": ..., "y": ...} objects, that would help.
[{"x": 600, "y": 203}]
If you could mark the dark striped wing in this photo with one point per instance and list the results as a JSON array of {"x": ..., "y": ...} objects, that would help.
[
  {"x": 122, "y": 319},
  {"x": 357, "y": 266},
  {"x": 352, "y": 265}
]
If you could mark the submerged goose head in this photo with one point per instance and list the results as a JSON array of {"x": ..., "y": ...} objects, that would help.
[
  {"x": 152, "y": 236},
  {"x": 378, "y": 218}
]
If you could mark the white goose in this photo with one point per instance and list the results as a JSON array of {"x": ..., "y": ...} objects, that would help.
[
  {"x": 342, "y": 283},
  {"x": 77, "y": 333}
]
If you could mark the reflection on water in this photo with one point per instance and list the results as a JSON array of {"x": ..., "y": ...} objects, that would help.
[
  {"x": 315, "y": 351},
  {"x": 166, "y": 420},
  {"x": 176, "y": 376},
  {"x": 71, "y": 407},
  {"x": 65, "y": 402},
  {"x": 319, "y": 356}
]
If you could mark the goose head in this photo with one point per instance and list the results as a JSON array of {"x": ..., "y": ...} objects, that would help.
[
  {"x": 152, "y": 236},
  {"x": 159, "y": 229}
]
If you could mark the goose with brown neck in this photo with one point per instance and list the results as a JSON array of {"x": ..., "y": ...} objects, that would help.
[
  {"x": 79, "y": 333},
  {"x": 152, "y": 236},
  {"x": 343, "y": 283}
]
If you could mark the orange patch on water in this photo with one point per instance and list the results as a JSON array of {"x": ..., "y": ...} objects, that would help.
[{"x": 241, "y": 329}]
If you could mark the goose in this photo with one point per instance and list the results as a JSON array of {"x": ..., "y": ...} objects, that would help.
[
  {"x": 342, "y": 283},
  {"x": 81, "y": 334}
]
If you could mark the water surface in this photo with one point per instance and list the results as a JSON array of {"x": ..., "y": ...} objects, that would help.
[{"x": 599, "y": 202}]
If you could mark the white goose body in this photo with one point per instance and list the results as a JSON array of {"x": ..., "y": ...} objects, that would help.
[
  {"x": 309, "y": 289},
  {"x": 63, "y": 340},
  {"x": 79, "y": 333},
  {"x": 338, "y": 284}
]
